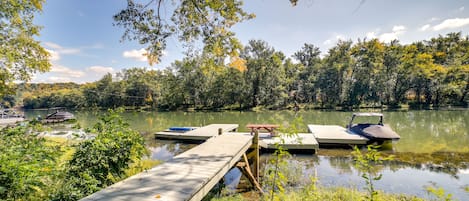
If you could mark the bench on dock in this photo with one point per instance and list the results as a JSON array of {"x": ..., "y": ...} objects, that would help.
[{"x": 270, "y": 128}]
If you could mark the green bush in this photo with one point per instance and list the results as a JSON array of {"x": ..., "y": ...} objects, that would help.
[
  {"x": 27, "y": 165},
  {"x": 102, "y": 161}
]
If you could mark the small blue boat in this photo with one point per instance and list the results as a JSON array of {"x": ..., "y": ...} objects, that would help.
[{"x": 181, "y": 129}]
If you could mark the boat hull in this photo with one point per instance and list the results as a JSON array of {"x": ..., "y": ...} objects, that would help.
[{"x": 375, "y": 132}]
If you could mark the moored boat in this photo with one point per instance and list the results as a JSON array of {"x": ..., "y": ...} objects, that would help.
[
  {"x": 373, "y": 131},
  {"x": 58, "y": 114},
  {"x": 10, "y": 117}
]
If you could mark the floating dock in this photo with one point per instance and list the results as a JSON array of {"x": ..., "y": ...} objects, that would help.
[
  {"x": 188, "y": 176},
  {"x": 202, "y": 133},
  {"x": 335, "y": 135},
  {"x": 300, "y": 141}
]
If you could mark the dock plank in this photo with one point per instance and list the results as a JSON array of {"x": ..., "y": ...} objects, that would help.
[
  {"x": 333, "y": 134},
  {"x": 201, "y": 133},
  {"x": 302, "y": 141},
  {"x": 188, "y": 176}
]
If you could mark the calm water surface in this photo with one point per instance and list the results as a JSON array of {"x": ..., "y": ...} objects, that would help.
[{"x": 434, "y": 145}]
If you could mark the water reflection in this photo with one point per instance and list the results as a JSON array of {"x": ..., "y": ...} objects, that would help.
[{"x": 397, "y": 177}]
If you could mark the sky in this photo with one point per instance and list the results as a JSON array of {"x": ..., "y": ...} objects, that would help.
[{"x": 84, "y": 44}]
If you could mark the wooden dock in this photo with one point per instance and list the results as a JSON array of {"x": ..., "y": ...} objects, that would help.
[
  {"x": 301, "y": 141},
  {"x": 188, "y": 176},
  {"x": 202, "y": 133},
  {"x": 332, "y": 134}
]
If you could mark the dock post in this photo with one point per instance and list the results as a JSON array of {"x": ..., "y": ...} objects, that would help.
[{"x": 255, "y": 143}]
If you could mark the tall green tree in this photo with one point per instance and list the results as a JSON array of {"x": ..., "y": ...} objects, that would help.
[
  {"x": 335, "y": 76},
  {"x": 391, "y": 62},
  {"x": 367, "y": 76},
  {"x": 263, "y": 73},
  {"x": 308, "y": 56},
  {"x": 20, "y": 54}
]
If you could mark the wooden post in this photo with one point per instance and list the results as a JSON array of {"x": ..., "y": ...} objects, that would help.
[
  {"x": 246, "y": 170},
  {"x": 220, "y": 131},
  {"x": 255, "y": 159}
]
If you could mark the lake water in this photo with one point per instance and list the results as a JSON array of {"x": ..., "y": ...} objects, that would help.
[{"x": 433, "y": 149}]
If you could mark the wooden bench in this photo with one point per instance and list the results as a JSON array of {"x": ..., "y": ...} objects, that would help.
[{"x": 270, "y": 128}]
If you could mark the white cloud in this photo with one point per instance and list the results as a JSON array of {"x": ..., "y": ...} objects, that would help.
[
  {"x": 398, "y": 28},
  {"x": 52, "y": 45},
  {"x": 388, "y": 37},
  {"x": 433, "y": 19},
  {"x": 69, "y": 51},
  {"x": 327, "y": 42},
  {"x": 66, "y": 72},
  {"x": 394, "y": 35},
  {"x": 61, "y": 50},
  {"x": 425, "y": 27},
  {"x": 100, "y": 69},
  {"x": 138, "y": 55},
  {"x": 371, "y": 35},
  {"x": 60, "y": 73},
  {"x": 334, "y": 39},
  {"x": 461, "y": 9},
  {"x": 451, "y": 24},
  {"x": 54, "y": 56}
]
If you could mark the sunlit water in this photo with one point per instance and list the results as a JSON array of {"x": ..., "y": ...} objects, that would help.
[{"x": 427, "y": 136}]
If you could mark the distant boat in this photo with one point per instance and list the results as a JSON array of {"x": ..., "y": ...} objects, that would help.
[
  {"x": 373, "y": 131},
  {"x": 58, "y": 114},
  {"x": 10, "y": 117}
]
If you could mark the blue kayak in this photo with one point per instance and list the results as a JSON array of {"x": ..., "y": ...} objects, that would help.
[{"x": 181, "y": 128}]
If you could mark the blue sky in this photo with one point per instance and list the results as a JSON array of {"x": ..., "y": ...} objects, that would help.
[{"x": 85, "y": 45}]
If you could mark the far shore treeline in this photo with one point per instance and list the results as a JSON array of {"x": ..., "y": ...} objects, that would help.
[{"x": 365, "y": 73}]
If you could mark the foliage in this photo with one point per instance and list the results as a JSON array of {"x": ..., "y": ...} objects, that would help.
[
  {"x": 419, "y": 74},
  {"x": 20, "y": 54},
  {"x": 279, "y": 173},
  {"x": 27, "y": 164},
  {"x": 314, "y": 192},
  {"x": 102, "y": 161},
  {"x": 368, "y": 164},
  {"x": 439, "y": 193},
  {"x": 191, "y": 21}
]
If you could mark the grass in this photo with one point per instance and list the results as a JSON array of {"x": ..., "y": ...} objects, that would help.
[
  {"x": 311, "y": 192},
  {"x": 65, "y": 146}
]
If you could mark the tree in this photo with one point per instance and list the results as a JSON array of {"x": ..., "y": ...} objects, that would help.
[
  {"x": 264, "y": 72},
  {"x": 367, "y": 72},
  {"x": 20, "y": 54},
  {"x": 309, "y": 58},
  {"x": 191, "y": 21},
  {"x": 335, "y": 76}
]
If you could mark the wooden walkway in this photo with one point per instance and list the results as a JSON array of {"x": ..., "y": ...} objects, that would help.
[
  {"x": 201, "y": 133},
  {"x": 332, "y": 134},
  {"x": 188, "y": 176}
]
